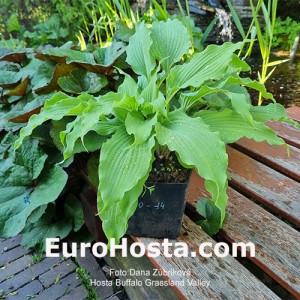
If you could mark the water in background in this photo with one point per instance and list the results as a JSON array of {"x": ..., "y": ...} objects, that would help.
[{"x": 284, "y": 83}]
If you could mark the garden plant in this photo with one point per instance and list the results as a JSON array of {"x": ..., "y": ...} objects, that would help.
[{"x": 138, "y": 101}]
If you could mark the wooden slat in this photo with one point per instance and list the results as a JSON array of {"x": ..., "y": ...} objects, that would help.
[
  {"x": 288, "y": 132},
  {"x": 274, "y": 156},
  {"x": 277, "y": 244},
  {"x": 228, "y": 278},
  {"x": 271, "y": 188},
  {"x": 294, "y": 113}
]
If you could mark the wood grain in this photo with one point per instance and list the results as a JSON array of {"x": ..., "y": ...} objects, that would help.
[
  {"x": 278, "y": 192},
  {"x": 277, "y": 244},
  {"x": 275, "y": 157},
  {"x": 228, "y": 278}
]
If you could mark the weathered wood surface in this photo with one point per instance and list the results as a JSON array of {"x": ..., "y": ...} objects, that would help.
[
  {"x": 140, "y": 264},
  {"x": 275, "y": 157},
  {"x": 228, "y": 278},
  {"x": 288, "y": 132},
  {"x": 294, "y": 113},
  {"x": 277, "y": 244},
  {"x": 271, "y": 188}
]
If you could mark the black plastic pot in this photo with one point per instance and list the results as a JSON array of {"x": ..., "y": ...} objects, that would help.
[{"x": 159, "y": 215}]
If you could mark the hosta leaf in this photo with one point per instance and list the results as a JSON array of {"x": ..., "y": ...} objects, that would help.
[
  {"x": 206, "y": 65},
  {"x": 170, "y": 42},
  {"x": 212, "y": 215},
  {"x": 272, "y": 111},
  {"x": 56, "y": 108},
  {"x": 231, "y": 127},
  {"x": 115, "y": 217},
  {"x": 247, "y": 82},
  {"x": 124, "y": 106},
  {"x": 107, "y": 56},
  {"x": 101, "y": 107},
  {"x": 123, "y": 167},
  {"x": 136, "y": 124},
  {"x": 81, "y": 81},
  {"x": 92, "y": 141},
  {"x": 138, "y": 51},
  {"x": 197, "y": 146},
  {"x": 20, "y": 193},
  {"x": 35, "y": 234},
  {"x": 129, "y": 86}
]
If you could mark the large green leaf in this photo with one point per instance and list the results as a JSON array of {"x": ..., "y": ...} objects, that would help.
[
  {"x": 56, "y": 108},
  {"x": 138, "y": 51},
  {"x": 123, "y": 168},
  {"x": 170, "y": 42},
  {"x": 20, "y": 192},
  {"x": 107, "y": 56},
  {"x": 272, "y": 111},
  {"x": 81, "y": 81},
  {"x": 210, "y": 64},
  {"x": 231, "y": 127},
  {"x": 35, "y": 234},
  {"x": 197, "y": 146}
]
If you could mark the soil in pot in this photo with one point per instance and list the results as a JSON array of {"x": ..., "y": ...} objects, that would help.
[{"x": 160, "y": 209}]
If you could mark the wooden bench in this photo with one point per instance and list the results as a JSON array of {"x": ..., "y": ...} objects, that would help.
[{"x": 264, "y": 208}]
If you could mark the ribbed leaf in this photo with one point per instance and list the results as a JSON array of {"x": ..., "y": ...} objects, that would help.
[
  {"x": 138, "y": 51},
  {"x": 56, "y": 108},
  {"x": 123, "y": 168},
  {"x": 231, "y": 127},
  {"x": 272, "y": 111},
  {"x": 170, "y": 42},
  {"x": 136, "y": 124},
  {"x": 198, "y": 147},
  {"x": 115, "y": 217},
  {"x": 206, "y": 65}
]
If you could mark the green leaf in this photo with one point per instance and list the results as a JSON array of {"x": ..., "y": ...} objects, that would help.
[
  {"x": 212, "y": 215},
  {"x": 73, "y": 210},
  {"x": 136, "y": 124},
  {"x": 69, "y": 137},
  {"x": 272, "y": 111},
  {"x": 107, "y": 56},
  {"x": 56, "y": 108},
  {"x": 17, "y": 182},
  {"x": 92, "y": 170},
  {"x": 43, "y": 74},
  {"x": 231, "y": 126},
  {"x": 36, "y": 233},
  {"x": 170, "y": 42},
  {"x": 196, "y": 146},
  {"x": 206, "y": 65},
  {"x": 9, "y": 78},
  {"x": 138, "y": 51},
  {"x": 124, "y": 106},
  {"x": 123, "y": 168},
  {"x": 81, "y": 81},
  {"x": 31, "y": 157}
]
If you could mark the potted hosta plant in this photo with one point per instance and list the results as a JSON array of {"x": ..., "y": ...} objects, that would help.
[{"x": 174, "y": 107}]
